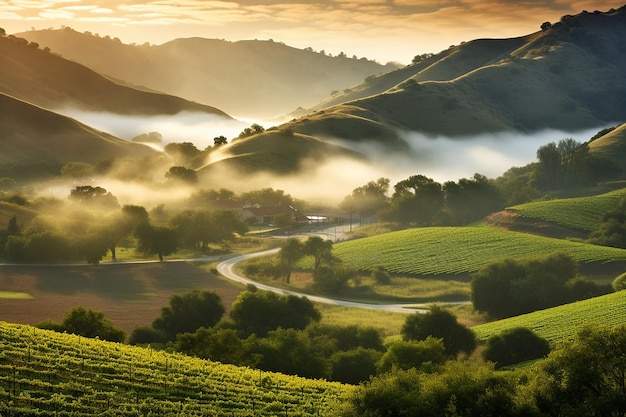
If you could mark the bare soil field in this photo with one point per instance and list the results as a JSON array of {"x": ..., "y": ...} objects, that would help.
[{"x": 130, "y": 295}]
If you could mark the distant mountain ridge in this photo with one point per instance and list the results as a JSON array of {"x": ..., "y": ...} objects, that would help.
[
  {"x": 47, "y": 80},
  {"x": 249, "y": 78},
  {"x": 569, "y": 76}
]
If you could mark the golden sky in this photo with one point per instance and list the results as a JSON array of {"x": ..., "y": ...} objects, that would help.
[{"x": 385, "y": 30}]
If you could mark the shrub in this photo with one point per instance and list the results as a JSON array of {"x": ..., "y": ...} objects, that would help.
[{"x": 514, "y": 346}]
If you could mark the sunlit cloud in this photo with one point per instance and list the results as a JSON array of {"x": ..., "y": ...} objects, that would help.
[{"x": 380, "y": 29}]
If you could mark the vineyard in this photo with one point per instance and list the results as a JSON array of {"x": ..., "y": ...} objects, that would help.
[
  {"x": 45, "y": 373},
  {"x": 560, "y": 323},
  {"x": 583, "y": 213},
  {"x": 460, "y": 250}
]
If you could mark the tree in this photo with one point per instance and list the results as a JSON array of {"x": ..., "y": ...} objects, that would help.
[
  {"x": 354, "y": 366},
  {"x": 221, "y": 345},
  {"x": 289, "y": 351},
  {"x": 319, "y": 248},
  {"x": 586, "y": 376},
  {"x": 219, "y": 141},
  {"x": 161, "y": 241},
  {"x": 290, "y": 253},
  {"x": 472, "y": 199},
  {"x": 260, "y": 312},
  {"x": 333, "y": 279},
  {"x": 417, "y": 200},
  {"x": 458, "y": 389},
  {"x": 545, "y": 26},
  {"x": 189, "y": 312},
  {"x": 185, "y": 154},
  {"x": 182, "y": 174},
  {"x": 406, "y": 354},
  {"x": 88, "y": 323},
  {"x": 93, "y": 247},
  {"x": 515, "y": 345},
  {"x": 367, "y": 199},
  {"x": 122, "y": 224},
  {"x": 94, "y": 196},
  {"x": 440, "y": 323},
  {"x": 612, "y": 230},
  {"x": 511, "y": 287}
]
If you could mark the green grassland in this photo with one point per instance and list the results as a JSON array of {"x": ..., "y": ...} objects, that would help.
[
  {"x": 53, "y": 374},
  {"x": 583, "y": 213},
  {"x": 460, "y": 250},
  {"x": 559, "y": 324}
]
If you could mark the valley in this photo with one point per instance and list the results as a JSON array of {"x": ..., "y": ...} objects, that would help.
[{"x": 227, "y": 209}]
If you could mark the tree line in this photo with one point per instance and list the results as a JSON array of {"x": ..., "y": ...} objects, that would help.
[
  {"x": 432, "y": 370},
  {"x": 421, "y": 201}
]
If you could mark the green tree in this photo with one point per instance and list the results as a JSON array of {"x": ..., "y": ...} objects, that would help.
[
  {"x": 333, "y": 279},
  {"x": 510, "y": 287},
  {"x": 468, "y": 200},
  {"x": 289, "y": 351},
  {"x": 88, "y": 323},
  {"x": 422, "y": 355},
  {"x": 417, "y": 200},
  {"x": 612, "y": 230},
  {"x": 221, "y": 345},
  {"x": 189, "y": 312},
  {"x": 161, "y": 241},
  {"x": 320, "y": 249},
  {"x": 515, "y": 345},
  {"x": 458, "y": 389},
  {"x": 442, "y": 324},
  {"x": 586, "y": 376},
  {"x": 354, "y": 366},
  {"x": 290, "y": 253},
  {"x": 368, "y": 199},
  {"x": 260, "y": 312}
]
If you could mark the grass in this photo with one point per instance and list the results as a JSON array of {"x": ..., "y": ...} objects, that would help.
[
  {"x": 559, "y": 324},
  {"x": 387, "y": 323},
  {"x": 15, "y": 295},
  {"x": 583, "y": 213},
  {"x": 444, "y": 251}
]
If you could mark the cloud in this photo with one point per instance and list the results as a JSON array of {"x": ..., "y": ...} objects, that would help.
[{"x": 380, "y": 29}]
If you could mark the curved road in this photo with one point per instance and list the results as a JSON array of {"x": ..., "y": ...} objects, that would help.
[{"x": 226, "y": 268}]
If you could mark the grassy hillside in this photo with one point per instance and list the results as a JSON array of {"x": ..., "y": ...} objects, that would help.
[
  {"x": 611, "y": 146},
  {"x": 583, "y": 213},
  {"x": 279, "y": 152},
  {"x": 461, "y": 250},
  {"x": 254, "y": 78},
  {"x": 568, "y": 77},
  {"x": 53, "y": 374},
  {"x": 50, "y": 81},
  {"x": 37, "y": 142},
  {"x": 559, "y": 324}
]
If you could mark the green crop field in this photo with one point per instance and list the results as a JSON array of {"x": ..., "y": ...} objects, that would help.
[
  {"x": 57, "y": 374},
  {"x": 561, "y": 323},
  {"x": 584, "y": 213},
  {"x": 459, "y": 250}
]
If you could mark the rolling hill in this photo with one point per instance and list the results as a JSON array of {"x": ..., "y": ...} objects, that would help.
[
  {"x": 569, "y": 76},
  {"x": 37, "y": 142},
  {"x": 249, "y": 78},
  {"x": 47, "y": 80},
  {"x": 611, "y": 146}
]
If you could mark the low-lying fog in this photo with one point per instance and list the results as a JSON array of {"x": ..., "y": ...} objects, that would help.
[{"x": 440, "y": 158}]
